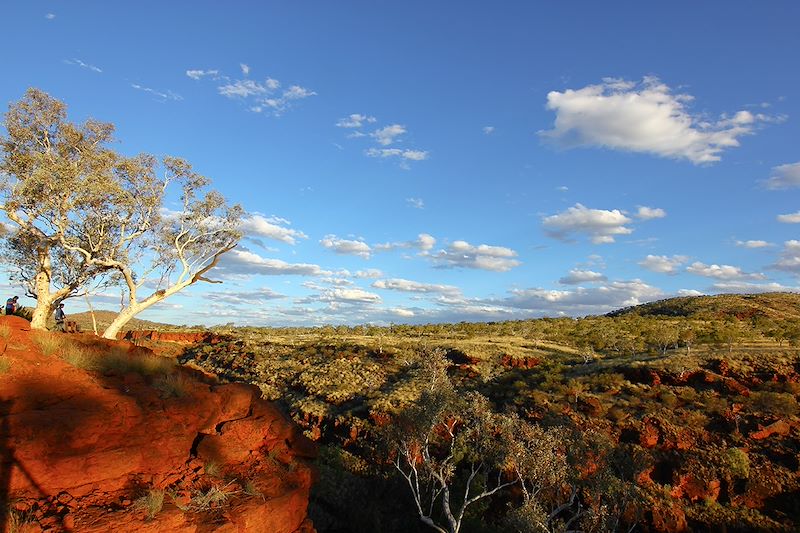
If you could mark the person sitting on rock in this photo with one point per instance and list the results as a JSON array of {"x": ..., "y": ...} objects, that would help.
[
  {"x": 11, "y": 305},
  {"x": 60, "y": 317}
]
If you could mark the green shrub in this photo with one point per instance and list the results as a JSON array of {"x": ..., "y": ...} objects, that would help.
[
  {"x": 737, "y": 463},
  {"x": 776, "y": 403}
]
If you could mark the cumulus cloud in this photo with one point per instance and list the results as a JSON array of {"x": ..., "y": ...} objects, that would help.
[
  {"x": 388, "y": 134},
  {"x": 599, "y": 224},
  {"x": 726, "y": 272},
  {"x": 346, "y": 246},
  {"x": 346, "y": 296},
  {"x": 82, "y": 64},
  {"x": 583, "y": 300},
  {"x": 355, "y": 120},
  {"x": 423, "y": 242},
  {"x": 784, "y": 177},
  {"x": 644, "y": 117},
  {"x": 464, "y": 255},
  {"x": 649, "y": 213},
  {"x": 789, "y": 260},
  {"x": 790, "y": 218},
  {"x": 245, "y": 68},
  {"x": 271, "y": 228},
  {"x": 50, "y": 16},
  {"x": 404, "y": 285},
  {"x": 488, "y": 130},
  {"x": 663, "y": 264},
  {"x": 251, "y": 297},
  {"x": 369, "y": 273},
  {"x": 244, "y": 262},
  {"x": 689, "y": 292},
  {"x": 745, "y": 287},
  {"x": 577, "y": 276},
  {"x": 753, "y": 244}
]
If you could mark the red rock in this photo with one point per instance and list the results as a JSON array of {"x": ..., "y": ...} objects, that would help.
[
  {"x": 693, "y": 488},
  {"x": 669, "y": 519},
  {"x": 649, "y": 435},
  {"x": 83, "y": 442},
  {"x": 777, "y": 428}
]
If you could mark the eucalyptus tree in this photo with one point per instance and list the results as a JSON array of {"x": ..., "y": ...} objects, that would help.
[
  {"x": 51, "y": 173},
  {"x": 80, "y": 211}
]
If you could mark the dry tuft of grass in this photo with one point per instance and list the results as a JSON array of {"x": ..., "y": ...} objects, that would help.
[
  {"x": 5, "y": 365},
  {"x": 213, "y": 469},
  {"x": 251, "y": 490},
  {"x": 213, "y": 497},
  {"x": 49, "y": 343},
  {"x": 120, "y": 361},
  {"x": 151, "y": 503},
  {"x": 5, "y": 331},
  {"x": 173, "y": 386},
  {"x": 80, "y": 357}
]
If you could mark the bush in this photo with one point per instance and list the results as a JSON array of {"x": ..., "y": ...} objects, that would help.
[
  {"x": 737, "y": 463},
  {"x": 776, "y": 403}
]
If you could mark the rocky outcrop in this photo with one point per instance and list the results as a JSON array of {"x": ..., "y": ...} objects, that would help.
[
  {"x": 180, "y": 337},
  {"x": 81, "y": 448}
]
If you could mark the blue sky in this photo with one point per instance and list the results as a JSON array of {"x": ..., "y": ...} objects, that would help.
[{"x": 445, "y": 161}]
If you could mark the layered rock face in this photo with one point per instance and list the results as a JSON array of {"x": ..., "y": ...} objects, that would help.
[{"x": 95, "y": 448}]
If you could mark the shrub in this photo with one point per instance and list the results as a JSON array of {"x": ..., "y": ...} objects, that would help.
[
  {"x": 737, "y": 463},
  {"x": 151, "y": 503},
  {"x": 777, "y": 403}
]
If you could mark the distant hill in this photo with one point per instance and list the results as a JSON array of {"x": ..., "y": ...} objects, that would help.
[
  {"x": 104, "y": 318},
  {"x": 781, "y": 305}
]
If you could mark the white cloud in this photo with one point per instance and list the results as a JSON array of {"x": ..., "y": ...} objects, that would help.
[
  {"x": 744, "y": 287},
  {"x": 250, "y": 297},
  {"x": 355, "y": 120},
  {"x": 585, "y": 300},
  {"x": 599, "y": 224},
  {"x": 245, "y": 68},
  {"x": 346, "y": 247},
  {"x": 242, "y": 89},
  {"x": 643, "y": 117},
  {"x": 790, "y": 257},
  {"x": 726, "y": 272},
  {"x": 388, "y": 134},
  {"x": 50, "y": 16},
  {"x": 488, "y": 130},
  {"x": 577, "y": 276},
  {"x": 413, "y": 155},
  {"x": 689, "y": 292},
  {"x": 346, "y": 296},
  {"x": 82, "y": 64},
  {"x": 753, "y": 244},
  {"x": 404, "y": 285},
  {"x": 416, "y": 203},
  {"x": 423, "y": 242},
  {"x": 369, "y": 273},
  {"x": 272, "y": 84},
  {"x": 484, "y": 257},
  {"x": 167, "y": 95},
  {"x": 663, "y": 264},
  {"x": 649, "y": 213},
  {"x": 271, "y": 228},
  {"x": 245, "y": 262},
  {"x": 198, "y": 74},
  {"x": 790, "y": 218},
  {"x": 403, "y": 313},
  {"x": 784, "y": 177}
]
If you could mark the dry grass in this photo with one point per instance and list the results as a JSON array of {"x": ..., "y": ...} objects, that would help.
[
  {"x": 5, "y": 331},
  {"x": 5, "y": 365},
  {"x": 151, "y": 503},
  {"x": 120, "y": 361},
  {"x": 80, "y": 357},
  {"x": 213, "y": 469},
  {"x": 213, "y": 497},
  {"x": 173, "y": 386},
  {"x": 49, "y": 343}
]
